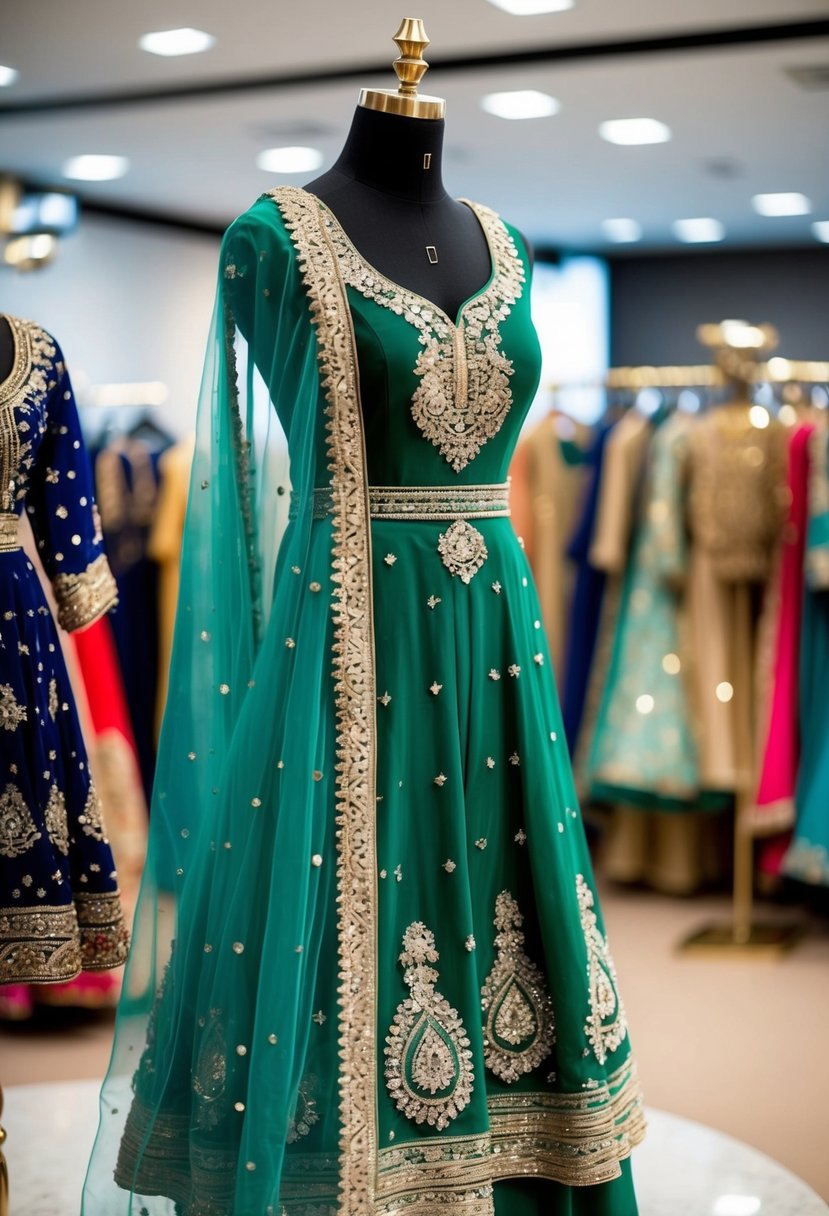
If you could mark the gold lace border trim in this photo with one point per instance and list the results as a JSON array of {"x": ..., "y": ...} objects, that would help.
[
  {"x": 575, "y": 1139},
  {"x": 427, "y": 502},
  {"x": 53, "y": 943},
  {"x": 9, "y": 541},
  {"x": 83, "y": 598}
]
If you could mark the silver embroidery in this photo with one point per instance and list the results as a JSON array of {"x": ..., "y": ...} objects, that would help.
[
  {"x": 519, "y": 1028},
  {"x": 429, "y": 1070},
  {"x": 305, "y": 1113},
  {"x": 92, "y": 819},
  {"x": 11, "y": 712},
  {"x": 464, "y": 393},
  {"x": 462, "y": 550},
  {"x": 606, "y": 1027},
  {"x": 18, "y": 831},
  {"x": 56, "y": 824}
]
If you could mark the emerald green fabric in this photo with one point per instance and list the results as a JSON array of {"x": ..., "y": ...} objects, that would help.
[{"x": 235, "y": 1075}]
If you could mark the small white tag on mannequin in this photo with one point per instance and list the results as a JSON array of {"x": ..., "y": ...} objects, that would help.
[
  {"x": 427, "y": 160},
  {"x": 432, "y": 254}
]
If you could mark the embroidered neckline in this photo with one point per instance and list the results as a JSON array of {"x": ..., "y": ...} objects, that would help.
[
  {"x": 464, "y": 393},
  {"x": 22, "y": 360}
]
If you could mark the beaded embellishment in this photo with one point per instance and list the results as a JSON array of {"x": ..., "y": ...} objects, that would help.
[
  {"x": 462, "y": 550},
  {"x": 519, "y": 1024},
  {"x": 429, "y": 1071}
]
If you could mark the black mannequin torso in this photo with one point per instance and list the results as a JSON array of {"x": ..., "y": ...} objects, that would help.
[
  {"x": 6, "y": 350},
  {"x": 392, "y": 207}
]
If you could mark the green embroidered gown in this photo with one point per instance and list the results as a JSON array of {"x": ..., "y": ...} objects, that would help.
[{"x": 445, "y": 1035}]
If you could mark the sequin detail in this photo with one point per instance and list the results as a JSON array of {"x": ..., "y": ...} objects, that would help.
[
  {"x": 429, "y": 1071},
  {"x": 606, "y": 1027},
  {"x": 18, "y": 831},
  {"x": 519, "y": 1026},
  {"x": 464, "y": 393},
  {"x": 462, "y": 550}
]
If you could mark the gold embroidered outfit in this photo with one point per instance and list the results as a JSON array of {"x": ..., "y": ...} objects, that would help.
[
  {"x": 60, "y": 911},
  {"x": 352, "y": 810}
]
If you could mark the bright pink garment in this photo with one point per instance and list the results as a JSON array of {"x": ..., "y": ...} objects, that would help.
[{"x": 774, "y": 810}]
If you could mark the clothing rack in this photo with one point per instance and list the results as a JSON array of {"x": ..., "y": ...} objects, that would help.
[{"x": 743, "y": 933}]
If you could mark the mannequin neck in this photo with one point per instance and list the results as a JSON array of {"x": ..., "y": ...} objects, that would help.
[{"x": 388, "y": 153}]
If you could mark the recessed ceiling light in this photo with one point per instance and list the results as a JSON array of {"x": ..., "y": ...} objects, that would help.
[
  {"x": 185, "y": 41},
  {"x": 781, "y": 204},
  {"x": 520, "y": 103},
  {"x": 7, "y": 76},
  {"x": 622, "y": 231},
  {"x": 821, "y": 230},
  {"x": 96, "y": 168},
  {"x": 289, "y": 160},
  {"x": 528, "y": 8},
  {"x": 698, "y": 231},
  {"x": 628, "y": 131}
]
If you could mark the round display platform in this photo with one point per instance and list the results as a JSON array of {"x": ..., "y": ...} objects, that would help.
[{"x": 682, "y": 1167}]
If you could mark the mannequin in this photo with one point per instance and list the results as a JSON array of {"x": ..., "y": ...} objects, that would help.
[
  {"x": 392, "y": 208},
  {"x": 386, "y": 190},
  {"x": 6, "y": 349}
]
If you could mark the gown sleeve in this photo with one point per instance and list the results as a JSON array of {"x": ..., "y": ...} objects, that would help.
[{"x": 64, "y": 517}]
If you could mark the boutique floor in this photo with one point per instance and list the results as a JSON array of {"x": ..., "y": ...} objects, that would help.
[{"x": 736, "y": 1049}]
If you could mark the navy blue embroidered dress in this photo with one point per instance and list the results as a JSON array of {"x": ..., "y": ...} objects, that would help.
[{"x": 60, "y": 910}]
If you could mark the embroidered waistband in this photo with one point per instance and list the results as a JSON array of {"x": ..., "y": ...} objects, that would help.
[
  {"x": 9, "y": 541},
  {"x": 427, "y": 502}
]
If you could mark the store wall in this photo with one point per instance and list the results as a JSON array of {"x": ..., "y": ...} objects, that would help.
[
  {"x": 656, "y": 303},
  {"x": 127, "y": 302}
]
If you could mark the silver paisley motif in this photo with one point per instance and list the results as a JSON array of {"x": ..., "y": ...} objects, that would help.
[
  {"x": 519, "y": 1027},
  {"x": 18, "y": 831},
  {"x": 462, "y": 550},
  {"x": 429, "y": 1070}
]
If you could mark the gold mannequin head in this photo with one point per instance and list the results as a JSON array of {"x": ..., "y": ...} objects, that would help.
[
  {"x": 737, "y": 348},
  {"x": 410, "y": 67}
]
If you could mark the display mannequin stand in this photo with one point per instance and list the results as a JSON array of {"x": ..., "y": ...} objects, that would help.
[
  {"x": 744, "y": 934},
  {"x": 386, "y": 189}
]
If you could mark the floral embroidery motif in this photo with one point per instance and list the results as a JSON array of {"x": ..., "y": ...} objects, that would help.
[
  {"x": 464, "y": 393},
  {"x": 462, "y": 550},
  {"x": 210, "y": 1076},
  {"x": 519, "y": 1027},
  {"x": 429, "y": 1070},
  {"x": 92, "y": 820},
  {"x": 11, "y": 712},
  {"x": 55, "y": 817},
  {"x": 18, "y": 831},
  {"x": 606, "y": 1027},
  {"x": 305, "y": 1113},
  {"x": 54, "y": 701}
]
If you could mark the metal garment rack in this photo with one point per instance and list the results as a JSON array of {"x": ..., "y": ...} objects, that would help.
[{"x": 743, "y": 934}]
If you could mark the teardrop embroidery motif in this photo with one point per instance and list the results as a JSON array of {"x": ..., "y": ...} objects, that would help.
[
  {"x": 429, "y": 1071},
  {"x": 606, "y": 1026},
  {"x": 519, "y": 1027}
]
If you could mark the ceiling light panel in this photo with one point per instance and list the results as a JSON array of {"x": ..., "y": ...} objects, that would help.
[
  {"x": 631, "y": 131},
  {"x": 781, "y": 204},
  {"x": 7, "y": 76},
  {"x": 699, "y": 230},
  {"x": 185, "y": 41},
  {"x": 621, "y": 231},
  {"x": 289, "y": 160},
  {"x": 530, "y": 8},
  {"x": 520, "y": 103},
  {"x": 95, "y": 167}
]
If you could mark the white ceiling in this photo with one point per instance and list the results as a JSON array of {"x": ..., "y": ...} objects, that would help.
[{"x": 554, "y": 177}]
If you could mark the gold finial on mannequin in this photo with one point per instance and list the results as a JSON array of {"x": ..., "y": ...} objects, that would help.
[{"x": 410, "y": 68}]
